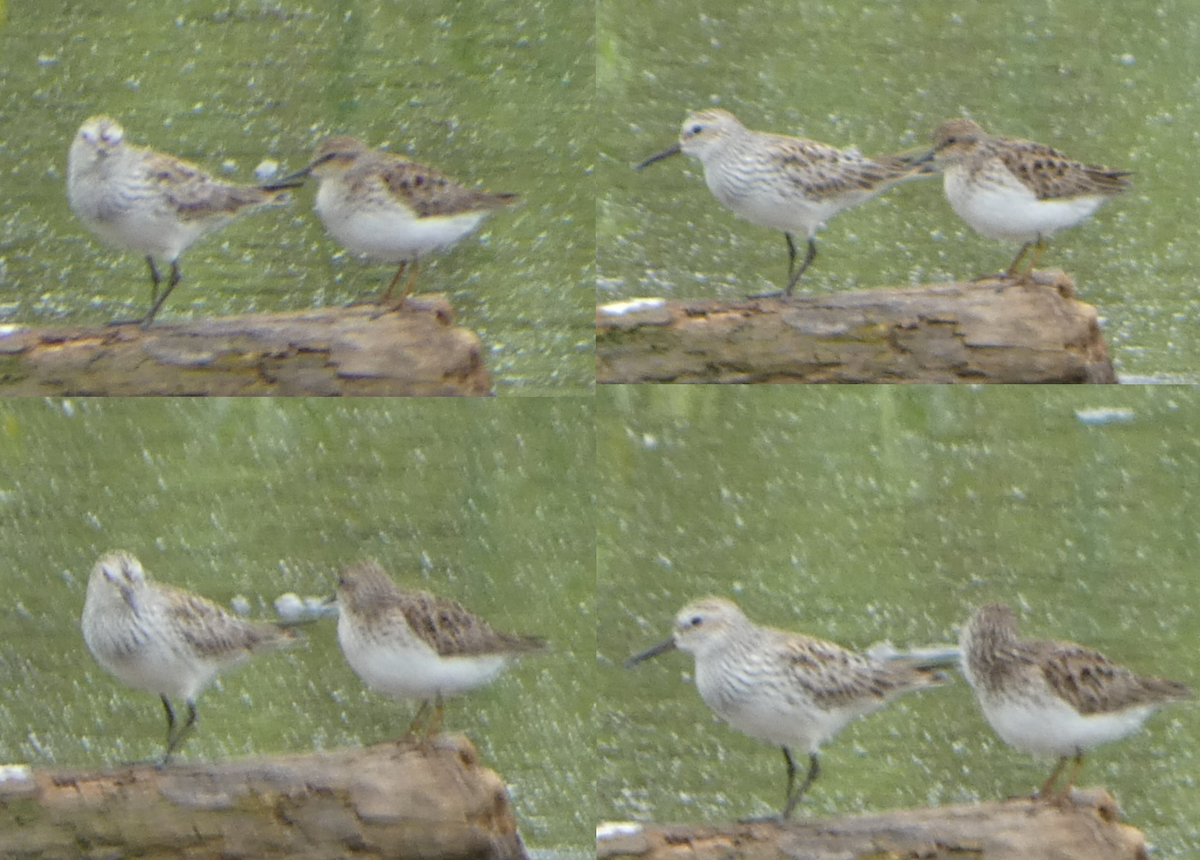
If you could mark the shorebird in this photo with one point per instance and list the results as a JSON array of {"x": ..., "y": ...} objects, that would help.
[
  {"x": 415, "y": 645},
  {"x": 146, "y": 201},
  {"x": 786, "y": 183},
  {"x": 165, "y": 640},
  {"x": 1054, "y": 698},
  {"x": 790, "y": 690},
  {"x": 1007, "y": 188},
  {"x": 388, "y": 208}
]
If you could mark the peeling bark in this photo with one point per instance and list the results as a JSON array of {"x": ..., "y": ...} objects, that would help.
[
  {"x": 993, "y": 331},
  {"x": 329, "y": 351},
  {"x": 1085, "y": 829},
  {"x": 391, "y": 800}
]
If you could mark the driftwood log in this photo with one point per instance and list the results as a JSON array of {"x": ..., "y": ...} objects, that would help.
[
  {"x": 1011, "y": 830},
  {"x": 990, "y": 331},
  {"x": 391, "y": 801},
  {"x": 328, "y": 351}
]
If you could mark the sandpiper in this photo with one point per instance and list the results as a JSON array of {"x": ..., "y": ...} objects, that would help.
[
  {"x": 413, "y": 644},
  {"x": 156, "y": 204},
  {"x": 165, "y": 640},
  {"x": 388, "y": 208},
  {"x": 1054, "y": 698},
  {"x": 790, "y": 690},
  {"x": 1007, "y": 188},
  {"x": 787, "y": 183}
]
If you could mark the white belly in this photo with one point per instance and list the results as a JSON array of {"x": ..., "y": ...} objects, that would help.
[
  {"x": 389, "y": 233},
  {"x": 1055, "y": 728},
  {"x": 1012, "y": 211},
  {"x": 412, "y": 670}
]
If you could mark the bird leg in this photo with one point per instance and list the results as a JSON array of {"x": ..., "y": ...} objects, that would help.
[
  {"x": 155, "y": 279},
  {"x": 1011, "y": 271},
  {"x": 170, "y": 726},
  {"x": 1045, "y": 790},
  {"x": 176, "y": 741},
  {"x": 793, "y": 796},
  {"x": 808, "y": 258},
  {"x": 412, "y": 279},
  {"x": 416, "y": 721},
  {"x": 176, "y": 276},
  {"x": 793, "y": 276},
  {"x": 435, "y": 722}
]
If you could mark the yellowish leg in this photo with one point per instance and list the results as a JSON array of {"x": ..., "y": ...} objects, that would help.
[
  {"x": 1037, "y": 252},
  {"x": 415, "y": 725},
  {"x": 435, "y": 722},
  {"x": 1078, "y": 764},
  {"x": 1044, "y": 791},
  {"x": 1011, "y": 271},
  {"x": 387, "y": 294}
]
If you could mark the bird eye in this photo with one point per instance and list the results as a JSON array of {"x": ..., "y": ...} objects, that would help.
[
  {"x": 696, "y": 621},
  {"x": 696, "y": 129}
]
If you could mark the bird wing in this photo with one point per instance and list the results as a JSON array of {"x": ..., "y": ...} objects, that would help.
[
  {"x": 1050, "y": 174},
  {"x": 835, "y": 676},
  {"x": 212, "y": 631},
  {"x": 454, "y": 631},
  {"x": 194, "y": 193},
  {"x": 1093, "y": 684},
  {"x": 820, "y": 171},
  {"x": 430, "y": 193}
]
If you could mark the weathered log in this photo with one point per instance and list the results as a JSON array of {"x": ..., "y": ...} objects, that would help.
[
  {"x": 327, "y": 351},
  {"x": 390, "y": 800},
  {"x": 1011, "y": 830},
  {"x": 991, "y": 331}
]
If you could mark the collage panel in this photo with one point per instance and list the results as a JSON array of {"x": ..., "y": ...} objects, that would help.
[
  {"x": 358, "y": 198},
  {"x": 797, "y": 571},
  {"x": 976, "y": 192},
  {"x": 359, "y": 560}
]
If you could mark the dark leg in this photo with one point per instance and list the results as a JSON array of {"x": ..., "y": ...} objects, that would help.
[
  {"x": 808, "y": 258},
  {"x": 793, "y": 797},
  {"x": 170, "y": 725},
  {"x": 182, "y": 734},
  {"x": 175, "y": 278},
  {"x": 793, "y": 276},
  {"x": 155, "y": 279}
]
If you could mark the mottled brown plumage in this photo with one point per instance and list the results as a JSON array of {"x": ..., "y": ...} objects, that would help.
[
  {"x": 443, "y": 624},
  {"x": 411, "y": 643},
  {"x": 1054, "y": 698}
]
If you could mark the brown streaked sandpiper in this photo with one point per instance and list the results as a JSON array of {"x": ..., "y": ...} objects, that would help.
[
  {"x": 390, "y": 209},
  {"x": 149, "y": 202},
  {"x": 163, "y": 639},
  {"x": 1054, "y": 698},
  {"x": 1007, "y": 188},
  {"x": 415, "y": 645},
  {"x": 790, "y": 690},
  {"x": 786, "y": 183}
]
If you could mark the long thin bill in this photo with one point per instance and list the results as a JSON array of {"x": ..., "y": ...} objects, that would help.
[
  {"x": 666, "y": 153},
  {"x": 669, "y": 645}
]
